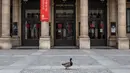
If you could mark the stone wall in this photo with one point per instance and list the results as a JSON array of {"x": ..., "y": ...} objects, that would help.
[{"x": 0, "y": 16}]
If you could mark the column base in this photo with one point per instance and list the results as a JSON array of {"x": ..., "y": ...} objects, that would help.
[
  {"x": 112, "y": 42},
  {"x": 5, "y": 43},
  {"x": 123, "y": 43},
  {"x": 44, "y": 43},
  {"x": 15, "y": 41},
  {"x": 84, "y": 43}
]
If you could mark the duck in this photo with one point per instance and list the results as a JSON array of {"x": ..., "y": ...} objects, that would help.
[{"x": 68, "y": 64}]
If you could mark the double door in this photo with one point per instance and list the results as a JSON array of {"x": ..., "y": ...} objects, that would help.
[
  {"x": 97, "y": 27},
  {"x": 98, "y": 22},
  {"x": 64, "y": 27},
  {"x": 31, "y": 28}
]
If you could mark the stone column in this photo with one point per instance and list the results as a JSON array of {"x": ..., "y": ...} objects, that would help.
[
  {"x": 5, "y": 40},
  {"x": 15, "y": 37},
  {"x": 113, "y": 18},
  {"x": 15, "y": 10},
  {"x": 45, "y": 38},
  {"x": 123, "y": 41},
  {"x": 84, "y": 41},
  {"x": 0, "y": 17}
]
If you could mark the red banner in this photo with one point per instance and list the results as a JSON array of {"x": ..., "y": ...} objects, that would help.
[{"x": 44, "y": 10}]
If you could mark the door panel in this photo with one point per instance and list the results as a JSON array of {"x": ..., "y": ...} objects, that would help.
[
  {"x": 97, "y": 23},
  {"x": 31, "y": 28},
  {"x": 64, "y": 23}
]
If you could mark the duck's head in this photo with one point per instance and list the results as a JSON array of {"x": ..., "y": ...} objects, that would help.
[{"x": 70, "y": 59}]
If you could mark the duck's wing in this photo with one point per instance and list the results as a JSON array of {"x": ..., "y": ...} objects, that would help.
[{"x": 67, "y": 64}]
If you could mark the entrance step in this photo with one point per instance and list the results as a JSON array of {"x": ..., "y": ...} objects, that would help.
[
  {"x": 65, "y": 47},
  {"x": 102, "y": 47},
  {"x": 26, "y": 47}
]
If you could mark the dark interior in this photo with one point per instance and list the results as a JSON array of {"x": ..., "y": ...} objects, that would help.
[
  {"x": 64, "y": 23},
  {"x": 98, "y": 22}
]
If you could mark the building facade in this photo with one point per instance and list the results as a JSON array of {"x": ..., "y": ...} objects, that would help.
[{"x": 79, "y": 23}]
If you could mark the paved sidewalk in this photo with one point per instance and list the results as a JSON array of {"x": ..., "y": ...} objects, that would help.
[{"x": 49, "y": 61}]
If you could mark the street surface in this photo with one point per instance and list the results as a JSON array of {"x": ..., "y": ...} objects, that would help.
[{"x": 49, "y": 61}]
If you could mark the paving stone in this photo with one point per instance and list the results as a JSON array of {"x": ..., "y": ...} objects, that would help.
[
  {"x": 64, "y": 52},
  {"x": 49, "y": 61},
  {"x": 112, "y": 52},
  {"x": 17, "y": 52},
  {"x": 120, "y": 70},
  {"x": 66, "y": 71},
  {"x": 122, "y": 60},
  {"x": 45, "y": 60},
  {"x": 10, "y": 71},
  {"x": 5, "y": 61},
  {"x": 1, "y": 67}
]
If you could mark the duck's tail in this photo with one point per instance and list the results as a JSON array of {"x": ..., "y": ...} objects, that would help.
[{"x": 62, "y": 64}]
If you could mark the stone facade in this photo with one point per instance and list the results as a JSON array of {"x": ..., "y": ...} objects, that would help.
[
  {"x": 5, "y": 40},
  {"x": 44, "y": 42},
  {"x": 116, "y": 13},
  {"x": 0, "y": 16},
  {"x": 15, "y": 15},
  {"x": 112, "y": 18},
  {"x": 84, "y": 40}
]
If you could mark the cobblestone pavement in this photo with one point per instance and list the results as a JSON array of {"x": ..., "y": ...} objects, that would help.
[{"x": 49, "y": 61}]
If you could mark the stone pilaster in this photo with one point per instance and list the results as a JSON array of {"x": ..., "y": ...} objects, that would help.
[
  {"x": 45, "y": 38},
  {"x": 5, "y": 40},
  {"x": 15, "y": 37},
  {"x": 113, "y": 18},
  {"x": 0, "y": 17},
  {"x": 123, "y": 41},
  {"x": 84, "y": 41},
  {"x": 15, "y": 10}
]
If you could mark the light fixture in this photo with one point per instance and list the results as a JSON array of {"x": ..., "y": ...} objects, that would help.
[
  {"x": 64, "y": 0},
  {"x": 25, "y": 1},
  {"x": 102, "y": 0}
]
